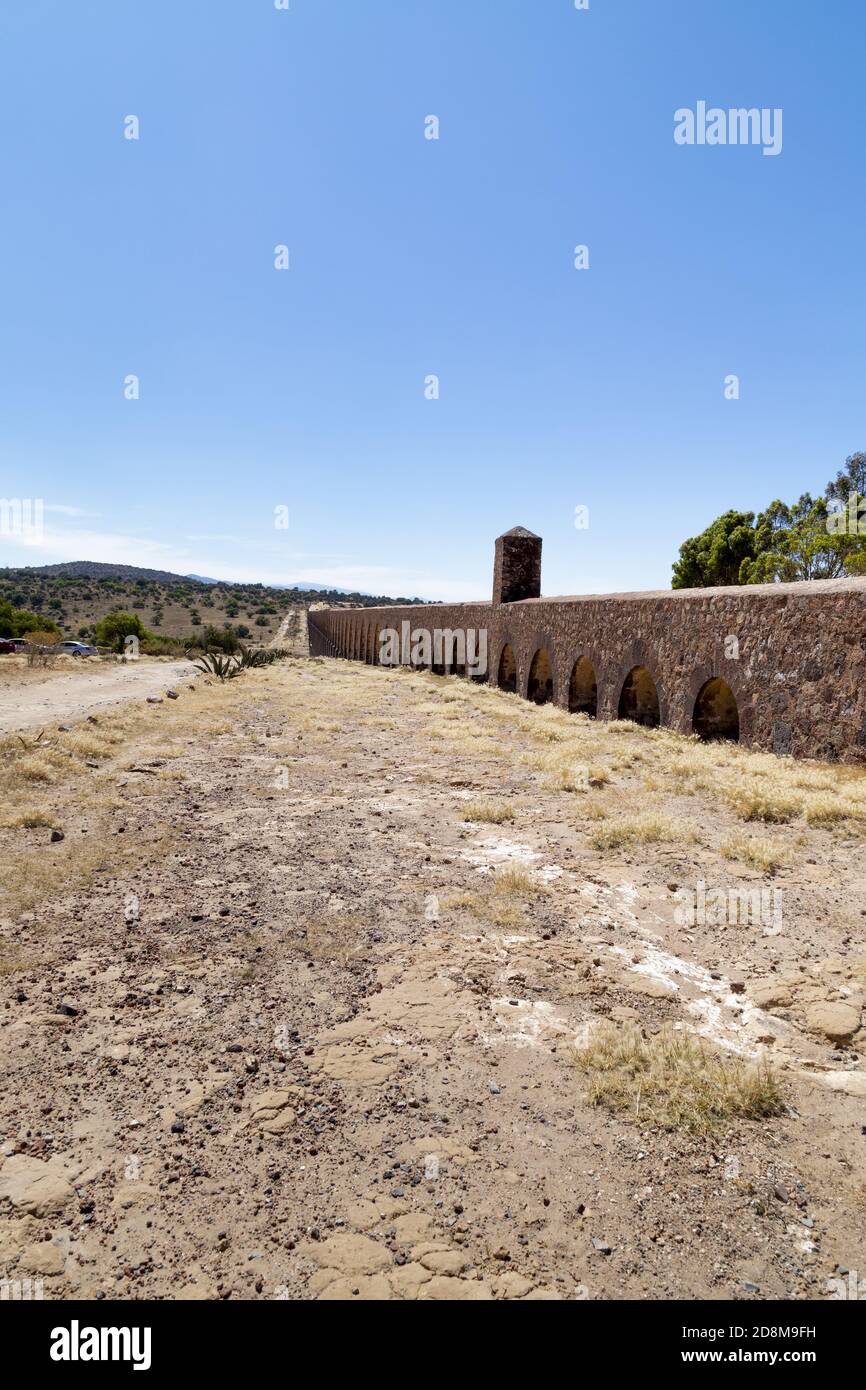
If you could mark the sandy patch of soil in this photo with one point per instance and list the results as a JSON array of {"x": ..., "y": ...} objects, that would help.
[{"x": 30, "y": 698}]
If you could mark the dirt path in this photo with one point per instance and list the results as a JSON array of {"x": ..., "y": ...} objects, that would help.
[
  {"x": 318, "y": 1044},
  {"x": 292, "y": 632},
  {"x": 59, "y": 696}
]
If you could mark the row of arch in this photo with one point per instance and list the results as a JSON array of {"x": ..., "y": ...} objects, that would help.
[
  {"x": 715, "y": 714},
  {"x": 356, "y": 641}
]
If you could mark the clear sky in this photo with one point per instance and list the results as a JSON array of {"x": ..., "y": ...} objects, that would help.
[{"x": 305, "y": 387}]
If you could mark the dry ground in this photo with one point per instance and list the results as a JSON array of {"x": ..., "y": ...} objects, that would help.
[
  {"x": 31, "y": 696},
  {"x": 354, "y": 983}
]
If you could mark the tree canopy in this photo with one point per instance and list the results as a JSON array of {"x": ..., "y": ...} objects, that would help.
[
  {"x": 14, "y": 622},
  {"x": 812, "y": 538},
  {"x": 114, "y": 627}
]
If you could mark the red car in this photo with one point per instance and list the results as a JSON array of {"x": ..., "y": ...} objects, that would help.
[{"x": 7, "y": 645}]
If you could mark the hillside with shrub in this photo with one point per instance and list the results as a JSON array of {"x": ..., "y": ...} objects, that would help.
[{"x": 172, "y": 609}]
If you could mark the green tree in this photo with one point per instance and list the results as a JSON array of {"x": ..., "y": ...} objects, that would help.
[
  {"x": 221, "y": 639},
  {"x": 812, "y": 538},
  {"x": 794, "y": 543},
  {"x": 846, "y": 495},
  {"x": 14, "y": 622},
  {"x": 716, "y": 556},
  {"x": 850, "y": 479},
  {"x": 114, "y": 627}
]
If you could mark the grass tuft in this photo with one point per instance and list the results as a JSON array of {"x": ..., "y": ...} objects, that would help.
[
  {"x": 517, "y": 882},
  {"x": 492, "y": 812},
  {"x": 759, "y": 854},
  {"x": 674, "y": 1081},
  {"x": 640, "y": 830},
  {"x": 763, "y": 804}
]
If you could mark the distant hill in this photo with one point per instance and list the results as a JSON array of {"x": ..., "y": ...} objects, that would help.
[
  {"x": 175, "y": 607},
  {"x": 94, "y": 569},
  {"x": 307, "y": 588}
]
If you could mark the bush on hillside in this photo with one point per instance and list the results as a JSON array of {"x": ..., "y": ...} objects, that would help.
[
  {"x": 16, "y": 622},
  {"x": 114, "y": 627}
]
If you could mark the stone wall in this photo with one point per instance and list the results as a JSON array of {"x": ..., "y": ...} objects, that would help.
[{"x": 792, "y": 655}]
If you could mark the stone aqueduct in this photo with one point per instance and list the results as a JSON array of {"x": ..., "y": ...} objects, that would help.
[{"x": 777, "y": 666}]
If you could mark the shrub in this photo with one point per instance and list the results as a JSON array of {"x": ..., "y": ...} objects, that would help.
[
  {"x": 155, "y": 645},
  {"x": 41, "y": 648},
  {"x": 17, "y": 622},
  {"x": 114, "y": 627},
  {"x": 223, "y": 639}
]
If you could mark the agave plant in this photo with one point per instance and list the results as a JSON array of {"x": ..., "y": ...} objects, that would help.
[
  {"x": 29, "y": 745},
  {"x": 225, "y": 668},
  {"x": 250, "y": 659}
]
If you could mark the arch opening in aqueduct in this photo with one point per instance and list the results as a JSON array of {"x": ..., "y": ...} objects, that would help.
[{"x": 775, "y": 666}]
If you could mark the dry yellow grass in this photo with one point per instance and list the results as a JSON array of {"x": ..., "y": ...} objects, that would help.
[
  {"x": 491, "y": 812},
  {"x": 336, "y": 936},
  {"x": 759, "y": 854},
  {"x": 762, "y": 803},
  {"x": 468, "y": 902},
  {"x": 674, "y": 1081},
  {"x": 25, "y": 820},
  {"x": 34, "y": 769},
  {"x": 12, "y": 958},
  {"x": 569, "y": 774},
  {"x": 762, "y": 787},
  {"x": 491, "y": 908},
  {"x": 517, "y": 882},
  {"x": 640, "y": 830},
  {"x": 753, "y": 786},
  {"x": 502, "y": 903},
  {"x": 29, "y": 881}
]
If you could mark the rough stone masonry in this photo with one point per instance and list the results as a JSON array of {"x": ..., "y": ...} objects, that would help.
[{"x": 778, "y": 666}]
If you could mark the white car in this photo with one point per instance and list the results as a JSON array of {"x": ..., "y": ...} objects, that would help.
[{"x": 78, "y": 649}]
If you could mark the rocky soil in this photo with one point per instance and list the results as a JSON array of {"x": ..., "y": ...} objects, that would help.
[{"x": 295, "y": 1056}]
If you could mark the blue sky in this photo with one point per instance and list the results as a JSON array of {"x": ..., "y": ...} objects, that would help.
[{"x": 304, "y": 388}]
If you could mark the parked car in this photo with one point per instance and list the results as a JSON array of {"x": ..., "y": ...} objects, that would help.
[
  {"x": 7, "y": 645},
  {"x": 78, "y": 649}
]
